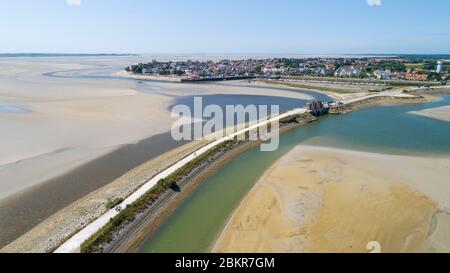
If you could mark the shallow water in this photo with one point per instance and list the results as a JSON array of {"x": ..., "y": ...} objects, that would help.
[
  {"x": 285, "y": 104},
  {"x": 12, "y": 109},
  {"x": 198, "y": 221}
]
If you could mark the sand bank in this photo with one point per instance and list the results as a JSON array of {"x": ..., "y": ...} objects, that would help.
[
  {"x": 78, "y": 116},
  {"x": 441, "y": 113},
  {"x": 125, "y": 74},
  {"x": 327, "y": 200}
]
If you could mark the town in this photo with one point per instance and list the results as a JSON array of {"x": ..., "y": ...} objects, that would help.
[{"x": 370, "y": 68}]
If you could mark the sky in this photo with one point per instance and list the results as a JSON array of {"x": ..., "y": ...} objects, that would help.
[{"x": 225, "y": 26}]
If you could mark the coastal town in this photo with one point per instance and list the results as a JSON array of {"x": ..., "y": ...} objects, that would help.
[{"x": 426, "y": 69}]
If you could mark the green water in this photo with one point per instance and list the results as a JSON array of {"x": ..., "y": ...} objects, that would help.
[{"x": 197, "y": 223}]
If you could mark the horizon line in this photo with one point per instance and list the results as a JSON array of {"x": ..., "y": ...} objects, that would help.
[{"x": 215, "y": 54}]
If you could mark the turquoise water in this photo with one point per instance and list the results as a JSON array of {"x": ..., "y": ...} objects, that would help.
[
  {"x": 390, "y": 130},
  {"x": 198, "y": 221}
]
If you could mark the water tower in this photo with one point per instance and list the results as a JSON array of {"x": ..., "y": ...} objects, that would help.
[{"x": 439, "y": 66}]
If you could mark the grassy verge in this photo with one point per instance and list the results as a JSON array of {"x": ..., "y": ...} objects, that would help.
[
  {"x": 290, "y": 119},
  {"x": 312, "y": 87},
  {"x": 374, "y": 101},
  {"x": 356, "y": 80},
  {"x": 113, "y": 203},
  {"x": 105, "y": 235}
]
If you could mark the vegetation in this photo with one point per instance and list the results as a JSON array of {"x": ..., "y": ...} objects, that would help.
[
  {"x": 290, "y": 119},
  {"x": 105, "y": 235},
  {"x": 163, "y": 71},
  {"x": 315, "y": 87},
  {"x": 427, "y": 64},
  {"x": 112, "y": 203},
  {"x": 393, "y": 66},
  {"x": 355, "y": 80},
  {"x": 435, "y": 76},
  {"x": 414, "y": 65}
]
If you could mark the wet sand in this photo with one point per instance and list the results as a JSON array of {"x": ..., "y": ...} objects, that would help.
[
  {"x": 54, "y": 230},
  {"x": 441, "y": 113},
  {"x": 67, "y": 122},
  {"x": 328, "y": 200},
  {"x": 74, "y": 135},
  {"x": 32, "y": 206}
]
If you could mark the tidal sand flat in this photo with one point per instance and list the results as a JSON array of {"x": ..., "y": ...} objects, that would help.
[
  {"x": 81, "y": 112},
  {"x": 329, "y": 200},
  {"x": 440, "y": 113},
  {"x": 71, "y": 126},
  {"x": 68, "y": 123}
]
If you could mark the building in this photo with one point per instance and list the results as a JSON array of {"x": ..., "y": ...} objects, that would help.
[
  {"x": 439, "y": 67},
  {"x": 318, "y": 108},
  {"x": 329, "y": 66},
  {"x": 416, "y": 77},
  {"x": 347, "y": 72},
  {"x": 382, "y": 74},
  {"x": 272, "y": 70},
  {"x": 400, "y": 75}
]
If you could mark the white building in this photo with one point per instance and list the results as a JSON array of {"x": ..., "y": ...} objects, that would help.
[
  {"x": 347, "y": 72},
  {"x": 439, "y": 66},
  {"x": 273, "y": 70},
  {"x": 382, "y": 74}
]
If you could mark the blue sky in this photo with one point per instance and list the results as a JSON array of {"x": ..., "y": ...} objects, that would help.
[{"x": 225, "y": 26}]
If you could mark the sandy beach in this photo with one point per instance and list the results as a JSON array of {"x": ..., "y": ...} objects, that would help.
[
  {"x": 328, "y": 200},
  {"x": 440, "y": 113}
]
